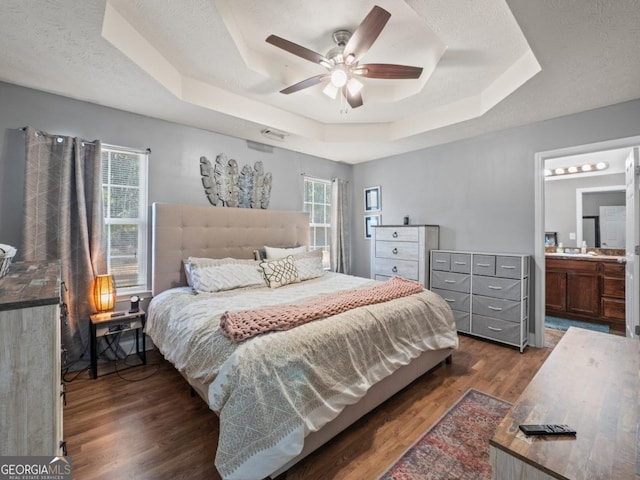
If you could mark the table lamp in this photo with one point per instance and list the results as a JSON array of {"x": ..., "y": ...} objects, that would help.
[{"x": 104, "y": 293}]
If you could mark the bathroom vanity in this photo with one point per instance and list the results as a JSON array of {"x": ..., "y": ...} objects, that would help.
[{"x": 587, "y": 288}]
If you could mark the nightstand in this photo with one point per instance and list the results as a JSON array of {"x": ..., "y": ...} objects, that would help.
[{"x": 112, "y": 323}]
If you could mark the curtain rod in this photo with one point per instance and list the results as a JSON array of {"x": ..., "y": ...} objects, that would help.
[{"x": 114, "y": 147}]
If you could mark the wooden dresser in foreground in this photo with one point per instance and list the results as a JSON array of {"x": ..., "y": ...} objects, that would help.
[
  {"x": 30, "y": 384},
  {"x": 589, "y": 382}
]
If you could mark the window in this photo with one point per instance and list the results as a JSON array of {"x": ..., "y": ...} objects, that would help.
[
  {"x": 124, "y": 195},
  {"x": 317, "y": 201}
]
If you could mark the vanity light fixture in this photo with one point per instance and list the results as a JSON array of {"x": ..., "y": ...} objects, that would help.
[{"x": 588, "y": 167}]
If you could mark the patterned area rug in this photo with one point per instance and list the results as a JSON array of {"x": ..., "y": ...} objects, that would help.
[
  {"x": 457, "y": 446},
  {"x": 564, "y": 324}
]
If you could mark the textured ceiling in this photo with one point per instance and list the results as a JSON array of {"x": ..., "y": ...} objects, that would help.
[{"x": 205, "y": 63}]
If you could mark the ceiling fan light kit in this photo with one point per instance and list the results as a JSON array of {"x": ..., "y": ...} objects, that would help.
[{"x": 342, "y": 60}]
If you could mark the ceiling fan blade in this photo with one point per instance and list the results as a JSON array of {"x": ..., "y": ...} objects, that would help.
[
  {"x": 296, "y": 49},
  {"x": 387, "y": 70},
  {"x": 309, "y": 82},
  {"x": 354, "y": 101},
  {"x": 366, "y": 34}
]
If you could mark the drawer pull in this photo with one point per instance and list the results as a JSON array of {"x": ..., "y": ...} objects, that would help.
[
  {"x": 450, "y": 300},
  {"x": 491, "y": 287},
  {"x": 449, "y": 281},
  {"x": 441, "y": 261},
  {"x": 508, "y": 267},
  {"x": 497, "y": 309},
  {"x": 395, "y": 235},
  {"x": 460, "y": 263},
  {"x": 394, "y": 269},
  {"x": 494, "y": 328},
  {"x": 395, "y": 250},
  {"x": 483, "y": 264}
]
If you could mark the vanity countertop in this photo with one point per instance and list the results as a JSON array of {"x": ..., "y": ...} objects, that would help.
[{"x": 587, "y": 257}]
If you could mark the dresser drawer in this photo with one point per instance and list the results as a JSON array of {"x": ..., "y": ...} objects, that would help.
[
  {"x": 484, "y": 265},
  {"x": 441, "y": 261},
  {"x": 403, "y": 234},
  {"x": 509, "y": 267},
  {"x": 456, "y": 300},
  {"x": 506, "y": 288},
  {"x": 497, "y": 308},
  {"x": 390, "y": 267},
  {"x": 458, "y": 282},
  {"x": 397, "y": 250},
  {"x": 461, "y": 262},
  {"x": 496, "y": 329},
  {"x": 463, "y": 321}
]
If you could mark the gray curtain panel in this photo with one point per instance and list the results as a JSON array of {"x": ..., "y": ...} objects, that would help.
[
  {"x": 64, "y": 221},
  {"x": 340, "y": 234}
]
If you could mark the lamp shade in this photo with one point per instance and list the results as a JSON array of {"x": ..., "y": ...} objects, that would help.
[{"x": 104, "y": 293}]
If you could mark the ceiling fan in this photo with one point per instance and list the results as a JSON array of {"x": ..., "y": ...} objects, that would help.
[{"x": 342, "y": 60}]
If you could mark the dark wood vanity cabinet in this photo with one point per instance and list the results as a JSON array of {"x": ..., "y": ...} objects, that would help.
[{"x": 586, "y": 289}]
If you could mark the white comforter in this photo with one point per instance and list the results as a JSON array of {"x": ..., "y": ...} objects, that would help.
[{"x": 272, "y": 390}]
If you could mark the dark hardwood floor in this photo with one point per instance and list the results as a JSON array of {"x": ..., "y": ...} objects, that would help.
[{"x": 143, "y": 424}]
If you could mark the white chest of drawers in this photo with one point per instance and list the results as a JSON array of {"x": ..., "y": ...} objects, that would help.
[
  {"x": 488, "y": 293},
  {"x": 403, "y": 250}
]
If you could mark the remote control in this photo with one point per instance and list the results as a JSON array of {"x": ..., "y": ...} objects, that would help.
[{"x": 547, "y": 430}]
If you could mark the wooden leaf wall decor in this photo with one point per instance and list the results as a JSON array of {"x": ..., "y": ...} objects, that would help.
[{"x": 227, "y": 186}]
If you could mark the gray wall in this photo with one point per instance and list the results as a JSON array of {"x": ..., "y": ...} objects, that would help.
[
  {"x": 560, "y": 202},
  {"x": 174, "y": 172}
]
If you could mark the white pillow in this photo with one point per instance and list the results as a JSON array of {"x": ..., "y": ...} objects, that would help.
[
  {"x": 275, "y": 253},
  {"x": 280, "y": 272},
  {"x": 308, "y": 264},
  {"x": 225, "y": 276},
  {"x": 205, "y": 261}
]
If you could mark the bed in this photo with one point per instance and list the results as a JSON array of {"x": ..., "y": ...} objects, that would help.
[{"x": 277, "y": 406}]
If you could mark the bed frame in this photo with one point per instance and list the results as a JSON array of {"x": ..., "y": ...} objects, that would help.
[{"x": 180, "y": 231}]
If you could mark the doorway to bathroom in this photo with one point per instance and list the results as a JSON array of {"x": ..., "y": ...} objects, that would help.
[{"x": 571, "y": 226}]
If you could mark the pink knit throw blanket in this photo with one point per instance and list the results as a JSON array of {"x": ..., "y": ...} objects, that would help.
[{"x": 242, "y": 324}]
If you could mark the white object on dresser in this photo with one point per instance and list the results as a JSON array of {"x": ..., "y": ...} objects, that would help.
[
  {"x": 31, "y": 391},
  {"x": 403, "y": 250},
  {"x": 488, "y": 293}
]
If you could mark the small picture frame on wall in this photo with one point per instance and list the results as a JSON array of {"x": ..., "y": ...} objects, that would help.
[
  {"x": 370, "y": 221},
  {"x": 372, "y": 200}
]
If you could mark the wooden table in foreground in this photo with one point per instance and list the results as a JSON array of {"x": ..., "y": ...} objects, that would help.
[{"x": 590, "y": 382}]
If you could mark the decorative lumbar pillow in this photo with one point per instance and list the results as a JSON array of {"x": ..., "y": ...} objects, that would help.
[
  {"x": 280, "y": 272},
  {"x": 225, "y": 276},
  {"x": 275, "y": 253},
  {"x": 308, "y": 264},
  {"x": 209, "y": 262}
]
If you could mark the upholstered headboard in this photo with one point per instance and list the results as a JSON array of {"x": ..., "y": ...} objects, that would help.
[{"x": 181, "y": 231}]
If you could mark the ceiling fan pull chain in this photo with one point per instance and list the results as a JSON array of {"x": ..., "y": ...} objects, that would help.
[{"x": 343, "y": 107}]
